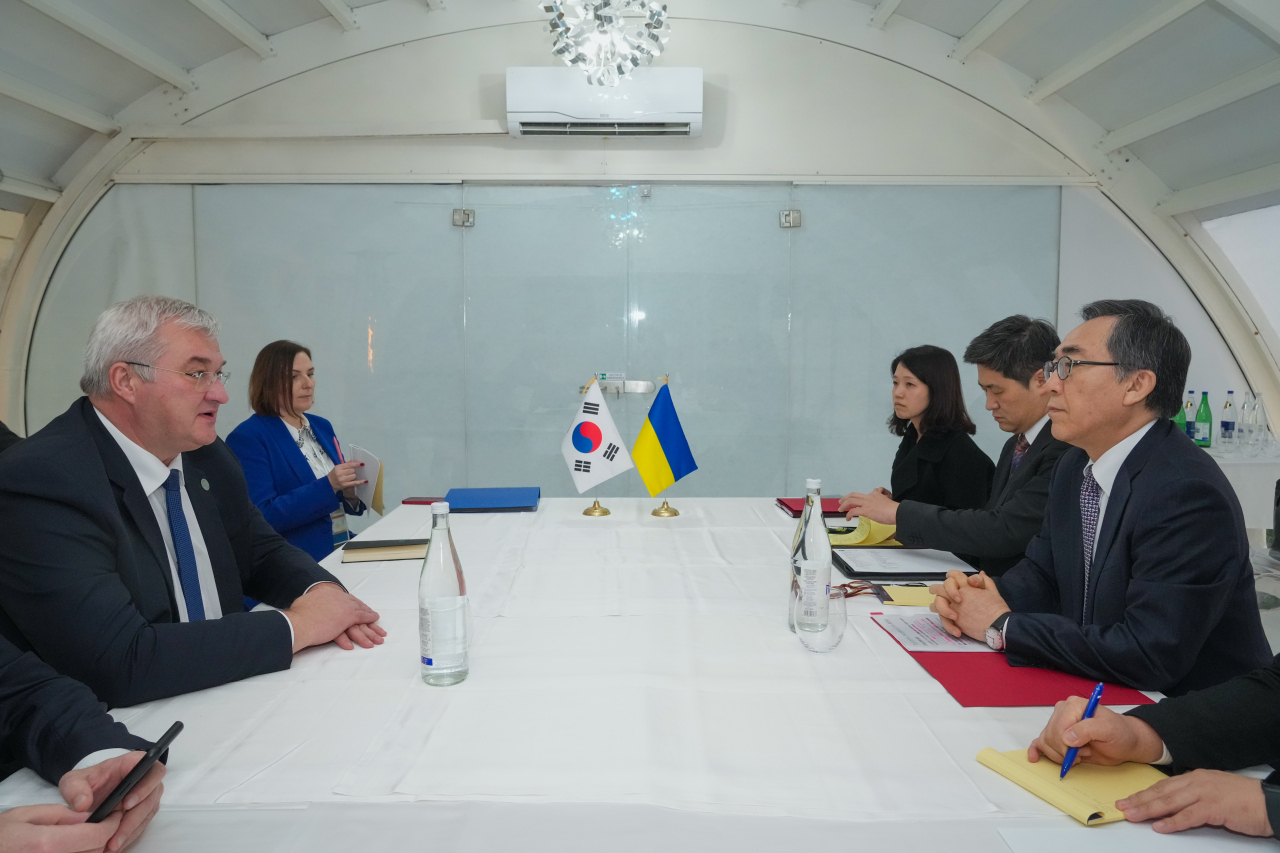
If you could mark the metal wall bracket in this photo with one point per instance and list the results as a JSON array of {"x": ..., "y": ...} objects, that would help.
[
  {"x": 789, "y": 219},
  {"x": 464, "y": 218}
]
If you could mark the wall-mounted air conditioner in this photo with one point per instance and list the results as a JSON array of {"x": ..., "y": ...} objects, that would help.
[{"x": 560, "y": 102}]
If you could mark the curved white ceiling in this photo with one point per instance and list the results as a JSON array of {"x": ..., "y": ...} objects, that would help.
[{"x": 1189, "y": 87}]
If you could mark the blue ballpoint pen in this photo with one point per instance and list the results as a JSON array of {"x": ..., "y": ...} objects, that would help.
[{"x": 1088, "y": 713}]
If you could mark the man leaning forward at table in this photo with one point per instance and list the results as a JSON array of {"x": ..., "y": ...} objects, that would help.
[
  {"x": 1140, "y": 573},
  {"x": 131, "y": 540}
]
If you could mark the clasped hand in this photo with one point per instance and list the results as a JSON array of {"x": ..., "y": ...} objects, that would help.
[
  {"x": 58, "y": 829},
  {"x": 967, "y": 604},
  {"x": 328, "y": 613},
  {"x": 879, "y": 506},
  {"x": 1194, "y": 799}
]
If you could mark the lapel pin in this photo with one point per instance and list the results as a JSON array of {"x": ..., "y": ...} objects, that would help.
[{"x": 204, "y": 484}]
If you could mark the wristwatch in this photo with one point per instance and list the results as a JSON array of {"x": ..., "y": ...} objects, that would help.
[{"x": 995, "y": 634}]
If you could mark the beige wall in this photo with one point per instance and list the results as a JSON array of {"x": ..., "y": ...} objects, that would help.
[{"x": 9, "y": 224}]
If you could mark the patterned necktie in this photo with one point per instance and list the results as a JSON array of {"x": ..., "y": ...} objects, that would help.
[
  {"x": 1090, "y": 491},
  {"x": 1019, "y": 450},
  {"x": 182, "y": 547}
]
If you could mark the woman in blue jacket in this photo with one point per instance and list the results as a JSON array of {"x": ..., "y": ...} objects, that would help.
[{"x": 292, "y": 460}]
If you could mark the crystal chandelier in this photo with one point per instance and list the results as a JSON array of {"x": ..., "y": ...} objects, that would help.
[{"x": 607, "y": 38}]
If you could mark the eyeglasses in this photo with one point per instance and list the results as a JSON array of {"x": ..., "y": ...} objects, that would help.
[
  {"x": 204, "y": 378},
  {"x": 1064, "y": 365}
]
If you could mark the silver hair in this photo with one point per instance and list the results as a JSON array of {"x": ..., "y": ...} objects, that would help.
[{"x": 130, "y": 331}]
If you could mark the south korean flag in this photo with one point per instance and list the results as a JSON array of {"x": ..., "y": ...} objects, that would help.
[{"x": 592, "y": 447}]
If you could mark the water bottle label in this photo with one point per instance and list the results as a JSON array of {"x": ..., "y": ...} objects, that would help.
[
  {"x": 427, "y": 661},
  {"x": 1202, "y": 431},
  {"x": 1228, "y": 429}
]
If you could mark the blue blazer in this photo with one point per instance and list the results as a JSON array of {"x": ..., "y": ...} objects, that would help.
[
  {"x": 281, "y": 483},
  {"x": 1171, "y": 603}
]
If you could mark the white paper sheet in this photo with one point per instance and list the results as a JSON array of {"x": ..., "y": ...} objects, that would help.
[
  {"x": 924, "y": 633},
  {"x": 356, "y": 453},
  {"x": 902, "y": 561}
]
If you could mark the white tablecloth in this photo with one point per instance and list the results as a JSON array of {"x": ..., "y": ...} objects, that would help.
[{"x": 625, "y": 671}]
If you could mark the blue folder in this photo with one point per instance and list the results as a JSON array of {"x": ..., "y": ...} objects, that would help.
[{"x": 493, "y": 500}]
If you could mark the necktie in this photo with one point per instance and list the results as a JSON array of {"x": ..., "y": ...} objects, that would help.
[
  {"x": 182, "y": 547},
  {"x": 1019, "y": 450},
  {"x": 1090, "y": 491}
]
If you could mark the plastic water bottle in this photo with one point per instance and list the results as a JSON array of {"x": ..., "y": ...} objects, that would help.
[
  {"x": 1189, "y": 410},
  {"x": 812, "y": 542},
  {"x": 813, "y": 609},
  {"x": 1227, "y": 424},
  {"x": 443, "y": 623}
]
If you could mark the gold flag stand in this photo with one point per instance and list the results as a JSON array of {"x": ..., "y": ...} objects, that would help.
[{"x": 665, "y": 511}]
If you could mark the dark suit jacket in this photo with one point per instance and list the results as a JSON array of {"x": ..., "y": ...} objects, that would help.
[
  {"x": 292, "y": 498},
  {"x": 49, "y": 722},
  {"x": 85, "y": 580},
  {"x": 1228, "y": 727},
  {"x": 1171, "y": 601},
  {"x": 996, "y": 536},
  {"x": 8, "y": 438},
  {"x": 944, "y": 469}
]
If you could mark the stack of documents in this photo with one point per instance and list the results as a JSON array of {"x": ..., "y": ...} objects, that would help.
[{"x": 896, "y": 564}]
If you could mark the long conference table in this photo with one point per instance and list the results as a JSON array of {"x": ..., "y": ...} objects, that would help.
[{"x": 633, "y": 686}]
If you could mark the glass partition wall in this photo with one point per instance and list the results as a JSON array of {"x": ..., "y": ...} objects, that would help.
[{"x": 456, "y": 352}]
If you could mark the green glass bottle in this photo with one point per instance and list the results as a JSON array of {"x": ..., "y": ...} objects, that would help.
[
  {"x": 1204, "y": 422},
  {"x": 1180, "y": 419}
]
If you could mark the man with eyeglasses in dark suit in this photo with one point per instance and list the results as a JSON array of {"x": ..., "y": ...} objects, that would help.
[{"x": 1140, "y": 574}]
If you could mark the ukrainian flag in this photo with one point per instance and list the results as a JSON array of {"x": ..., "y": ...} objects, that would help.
[{"x": 661, "y": 453}]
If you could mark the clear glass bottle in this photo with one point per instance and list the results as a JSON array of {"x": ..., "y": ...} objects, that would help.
[
  {"x": 811, "y": 542},
  {"x": 1227, "y": 423},
  {"x": 1204, "y": 422},
  {"x": 1244, "y": 423},
  {"x": 1189, "y": 414},
  {"x": 444, "y": 626}
]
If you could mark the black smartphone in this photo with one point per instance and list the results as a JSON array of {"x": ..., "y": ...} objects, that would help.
[{"x": 135, "y": 775}]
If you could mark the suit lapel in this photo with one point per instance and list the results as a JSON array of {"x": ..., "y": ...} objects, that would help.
[
  {"x": 1004, "y": 471},
  {"x": 1121, "y": 489},
  {"x": 135, "y": 501},
  {"x": 225, "y": 573},
  {"x": 288, "y": 444},
  {"x": 1071, "y": 581}
]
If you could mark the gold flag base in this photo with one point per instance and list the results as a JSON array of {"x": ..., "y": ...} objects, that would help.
[
  {"x": 665, "y": 511},
  {"x": 595, "y": 510}
]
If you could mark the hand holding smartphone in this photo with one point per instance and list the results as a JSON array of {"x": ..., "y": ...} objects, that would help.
[{"x": 135, "y": 775}]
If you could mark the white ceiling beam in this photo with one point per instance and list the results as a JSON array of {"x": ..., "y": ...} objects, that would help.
[
  {"x": 232, "y": 21},
  {"x": 42, "y": 99},
  {"x": 1263, "y": 15},
  {"x": 342, "y": 13},
  {"x": 1249, "y": 83},
  {"x": 987, "y": 27},
  {"x": 70, "y": 15},
  {"x": 28, "y": 187},
  {"x": 884, "y": 11},
  {"x": 1222, "y": 191},
  {"x": 1122, "y": 40}
]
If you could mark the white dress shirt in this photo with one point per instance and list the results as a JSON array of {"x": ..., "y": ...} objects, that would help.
[
  {"x": 1031, "y": 434},
  {"x": 153, "y": 473}
]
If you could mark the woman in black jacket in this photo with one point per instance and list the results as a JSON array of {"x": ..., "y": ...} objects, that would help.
[{"x": 937, "y": 461}]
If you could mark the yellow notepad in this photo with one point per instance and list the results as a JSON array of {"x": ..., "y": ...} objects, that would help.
[
  {"x": 909, "y": 596},
  {"x": 867, "y": 532},
  {"x": 1089, "y": 792}
]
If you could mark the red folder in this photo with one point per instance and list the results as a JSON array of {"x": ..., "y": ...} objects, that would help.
[
  {"x": 979, "y": 680},
  {"x": 795, "y": 507}
]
